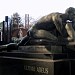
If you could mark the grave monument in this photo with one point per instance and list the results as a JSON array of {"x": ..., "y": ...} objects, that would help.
[{"x": 47, "y": 49}]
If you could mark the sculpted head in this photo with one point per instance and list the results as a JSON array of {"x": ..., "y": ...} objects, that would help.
[{"x": 70, "y": 12}]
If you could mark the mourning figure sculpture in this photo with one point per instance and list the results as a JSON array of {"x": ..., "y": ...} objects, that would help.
[{"x": 53, "y": 27}]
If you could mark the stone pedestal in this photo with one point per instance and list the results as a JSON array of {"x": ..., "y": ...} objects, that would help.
[{"x": 38, "y": 60}]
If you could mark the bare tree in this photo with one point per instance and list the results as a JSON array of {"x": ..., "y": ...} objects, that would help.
[{"x": 16, "y": 20}]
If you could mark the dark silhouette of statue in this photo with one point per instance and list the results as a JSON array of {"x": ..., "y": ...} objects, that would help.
[{"x": 53, "y": 27}]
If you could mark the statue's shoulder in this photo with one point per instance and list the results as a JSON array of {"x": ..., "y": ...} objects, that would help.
[{"x": 54, "y": 14}]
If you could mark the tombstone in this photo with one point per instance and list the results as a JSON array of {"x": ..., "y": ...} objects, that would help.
[
  {"x": 38, "y": 60},
  {"x": 39, "y": 56},
  {"x": 20, "y": 34}
]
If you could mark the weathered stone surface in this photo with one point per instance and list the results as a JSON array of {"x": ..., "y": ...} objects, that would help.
[
  {"x": 31, "y": 66},
  {"x": 38, "y": 60},
  {"x": 41, "y": 49}
]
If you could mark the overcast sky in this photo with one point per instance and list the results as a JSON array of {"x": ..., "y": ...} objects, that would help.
[{"x": 35, "y": 8}]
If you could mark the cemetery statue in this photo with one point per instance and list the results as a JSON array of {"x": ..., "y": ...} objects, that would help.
[
  {"x": 52, "y": 26},
  {"x": 20, "y": 33}
]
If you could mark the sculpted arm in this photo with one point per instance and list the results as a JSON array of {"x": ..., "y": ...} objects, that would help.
[
  {"x": 65, "y": 29},
  {"x": 70, "y": 31},
  {"x": 58, "y": 23}
]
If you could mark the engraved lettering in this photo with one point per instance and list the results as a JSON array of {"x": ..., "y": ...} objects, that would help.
[
  {"x": 42, "y": 70},
  {"x": 36, "y": 69},
  {"x": 30, "y": 68}
]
